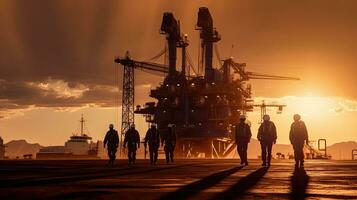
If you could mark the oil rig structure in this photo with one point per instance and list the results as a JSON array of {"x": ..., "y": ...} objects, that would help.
[{"x": 204, "y": 108}]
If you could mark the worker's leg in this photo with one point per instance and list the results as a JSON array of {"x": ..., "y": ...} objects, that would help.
[
  {"x": 156, "y": 151},
  {"x": 166, "y": 149},
  {"x": 301, "y": 157},
  {"x": 129, "y": 156},
  {"x": 245, "y": 154},
  {"x": 151, "y": 155},
  {"x": 240, "y": 149},
  {"x": 296, "y": 155},
  {"x": 269, "y": 149},
  {"x": 134, "y": 156},
  {"x": 167, "y": 154},
  {"x": 264, "y": 152},
  {"x": 109, "y": 156},
  {"x": 172, "y": 154}
]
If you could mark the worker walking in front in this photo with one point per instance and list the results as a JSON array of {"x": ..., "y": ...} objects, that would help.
[
  {"x": 132, "y": 139},
  {"x": 242, "y": 136},
  {"x": 169, "y": 139},
  {"x": 111, "y": 140},
  {"x": 152, "y": 138},
  {"x": 298, "y": 136},
  {"x": 267, "y": 137}
]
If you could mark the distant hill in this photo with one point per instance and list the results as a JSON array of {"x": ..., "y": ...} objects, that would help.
[{"x": 17, "y": 148}]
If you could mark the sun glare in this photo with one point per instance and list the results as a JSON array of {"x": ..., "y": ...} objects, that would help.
[{"x": 312, "y": 105}]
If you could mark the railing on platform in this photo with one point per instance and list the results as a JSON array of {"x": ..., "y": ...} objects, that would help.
[
  {"x": 354, "y": 154},
  {"x": 324, "y": 149}
]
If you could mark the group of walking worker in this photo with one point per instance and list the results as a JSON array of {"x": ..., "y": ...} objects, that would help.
[
  {"x": 132, "y": 141},
  {"x": 267, "y": 136}
]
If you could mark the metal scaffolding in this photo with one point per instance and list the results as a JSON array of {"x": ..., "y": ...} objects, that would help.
[{"x": 127, "y": 116}]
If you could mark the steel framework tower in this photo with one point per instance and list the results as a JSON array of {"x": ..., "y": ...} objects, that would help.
[{"x": 127, "y": 116}]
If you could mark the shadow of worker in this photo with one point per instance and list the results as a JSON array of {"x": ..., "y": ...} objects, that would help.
[
  {"x": 197, "y": 186},
  {"x": 244, "y": 184},
  {"x": 299, "y": 182}
]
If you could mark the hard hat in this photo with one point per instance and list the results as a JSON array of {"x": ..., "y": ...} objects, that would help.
[
  {"x": 111, "y": 126},
  {"x": 297, "y": 117},
  {"x": 242, "y": 117},
  {"x": 266, "y": 117}
]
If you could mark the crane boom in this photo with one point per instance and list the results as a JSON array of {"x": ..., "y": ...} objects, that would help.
[
  {"x": 142, "y": 65},
  {"x": 246, "y": 75}
]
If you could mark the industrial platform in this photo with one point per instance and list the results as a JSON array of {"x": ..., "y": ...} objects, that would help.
[{"x": 185, "y": 179}]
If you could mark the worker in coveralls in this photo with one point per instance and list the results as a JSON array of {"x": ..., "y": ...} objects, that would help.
[
  {"x": 111, "y": 140},
  {"x": 242, "y": 136},
  {"x": 267, "y": 137},
  {"x": 132, "y": 139},
  {"x": 152, "y": 138},
  {"x": 298, "y": 136},
  {"x": 169, "y": 139}
]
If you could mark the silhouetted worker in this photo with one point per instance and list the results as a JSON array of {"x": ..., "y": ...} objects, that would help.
[
  {"x": 267, "y": 137},
  {"x": 132, "y": 138},
  {"x": 298, "y": 136},
  {"x": 152, "y": 138},
  {"x": 242, "y": 136},
  {"x": 170, "y": 142},
  {"x": 111, "y": 140}
]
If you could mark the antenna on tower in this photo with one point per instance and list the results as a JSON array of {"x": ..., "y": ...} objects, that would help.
[{"x": 82, "y": 124}]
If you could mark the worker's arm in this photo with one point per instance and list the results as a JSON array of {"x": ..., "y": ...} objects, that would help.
[
  {"x": 105, "y": 139},
  {"x": 291, "y": 133},
  {"x": 305, "y": 133},
  {"x": 249, "y": 132},
  {"x": 146, "y": 139},
  {"x": 125, "y": 139},
  {"x": 274, "y": 133},
  {"x": 260, "y": 132},
  {"x": 138, "y": 139},
  {"x": 116, "y": 138},
  {"x": 158, "y": 137}
]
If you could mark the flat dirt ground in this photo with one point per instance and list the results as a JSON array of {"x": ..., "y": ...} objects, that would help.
[{"x": 185, "y": 179}]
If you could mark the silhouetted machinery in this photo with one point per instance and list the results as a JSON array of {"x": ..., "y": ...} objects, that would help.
[{"x": 205, "y": 108}]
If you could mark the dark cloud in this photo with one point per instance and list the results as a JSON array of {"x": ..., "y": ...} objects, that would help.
[
  {"x": 19, "y": 95},
  {"x": 76, "y": 41}
]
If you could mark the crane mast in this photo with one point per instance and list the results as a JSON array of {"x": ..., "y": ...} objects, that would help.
[
  {"x": 128, "y": 96},
  {"x": 208, "y": 36}
]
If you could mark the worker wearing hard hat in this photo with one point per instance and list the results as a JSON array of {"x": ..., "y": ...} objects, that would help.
[
  {"x": 111, "y": 140},
  {"x": 267, "y": 137},
  {"x": 132, "y": 139},
  {"x": 242, "y": 136},
  {"x": 169, "y": 139},
  {"x": 152, "y": 138},
  {"x": 298, "y": 136}
]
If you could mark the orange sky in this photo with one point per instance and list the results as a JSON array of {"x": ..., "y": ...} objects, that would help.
[{"x": 56, "y": 60}]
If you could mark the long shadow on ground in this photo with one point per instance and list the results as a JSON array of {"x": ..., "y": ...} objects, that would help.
[
  {"x": 299, "y": 182},
  {"x": 197, "y": 186},
  {"x": 244, "y": 184},
  {"x": 65, "y": 178}
]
